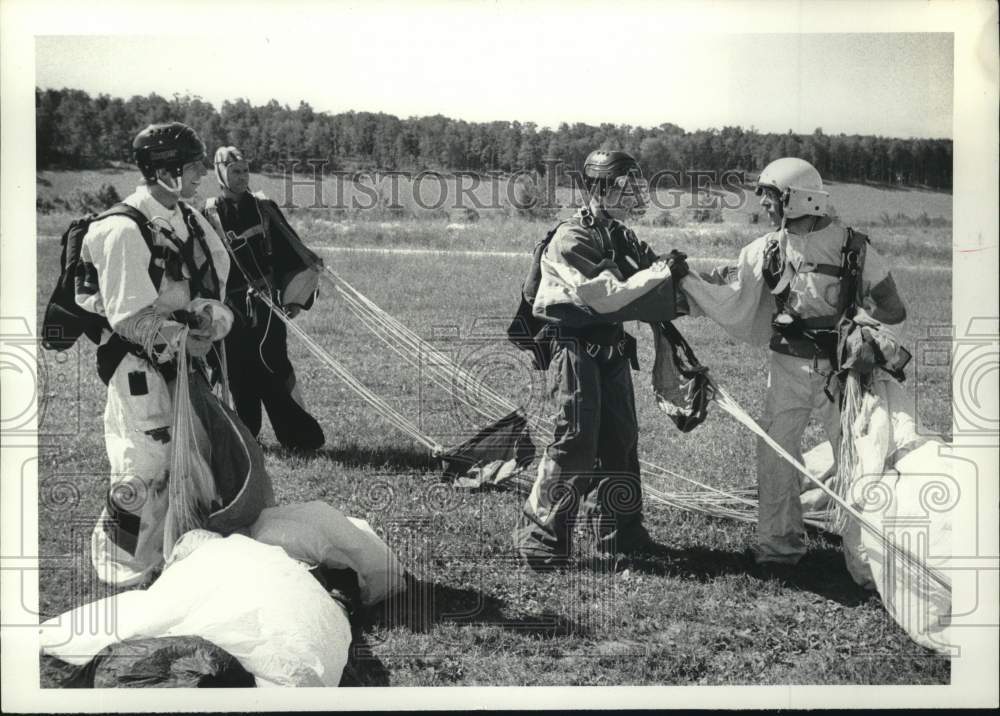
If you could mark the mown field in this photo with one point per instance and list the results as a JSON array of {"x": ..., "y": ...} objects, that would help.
[
  {"x": 433, "y": 212},
  {"x": 691, "y": 614}
]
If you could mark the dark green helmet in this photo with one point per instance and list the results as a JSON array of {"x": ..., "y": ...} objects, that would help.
[{"x": 166, "y": 146}]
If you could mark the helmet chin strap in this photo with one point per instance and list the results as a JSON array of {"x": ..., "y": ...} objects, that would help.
[{"x": 175, "y": 189}]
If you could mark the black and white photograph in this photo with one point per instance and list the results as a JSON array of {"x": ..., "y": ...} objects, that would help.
[{"x": 563, "y": 347}]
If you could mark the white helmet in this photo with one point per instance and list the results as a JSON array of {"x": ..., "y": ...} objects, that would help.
[
  {"x": 224, "y": 156},
  {"x": 800, "y": 185}
]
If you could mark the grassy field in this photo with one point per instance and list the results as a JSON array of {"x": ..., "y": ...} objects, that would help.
[
  {"x": 912, "y": 227},
  {"x": 692, "y": 614}
]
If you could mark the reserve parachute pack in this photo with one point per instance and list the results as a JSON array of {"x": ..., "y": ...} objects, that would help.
[{"x": 65, "y": 321}]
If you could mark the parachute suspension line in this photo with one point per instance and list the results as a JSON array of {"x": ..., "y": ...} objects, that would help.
[
  {"x": 446, "y": 374},
  {"x": 727, "y": 403},
  {"x": 191, "y": 487},
  {"x": 225, "y": 394},
  {"x": 662, "y": 471},
  {"x": 847, "y": 463},
  {"x": 440, "y": 368},
  {"x": 379, "y": 405}
]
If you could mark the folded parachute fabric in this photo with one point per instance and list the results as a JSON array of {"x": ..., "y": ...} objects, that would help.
[
  {"x": 680, "y": 383},
  {"x": 318, "y": 533},
  {"x": 908, "y": 487},
  {"x": 250, "y": 599}
]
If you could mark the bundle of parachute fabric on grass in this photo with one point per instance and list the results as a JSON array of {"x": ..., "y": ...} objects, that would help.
[
  {"x": 253, "y": 597},
  {"x": 908, "y": 486}
]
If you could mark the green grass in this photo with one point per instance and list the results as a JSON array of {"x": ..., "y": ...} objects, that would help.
[{"x": 690, "y": 615}]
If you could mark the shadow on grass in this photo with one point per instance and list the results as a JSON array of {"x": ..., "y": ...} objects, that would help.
[
  {"x": 353, "y": 455},
  {"x": 363, "y": 667},
  {"x": 822, "y": 571},
  {"x": 424, "y": 604}
]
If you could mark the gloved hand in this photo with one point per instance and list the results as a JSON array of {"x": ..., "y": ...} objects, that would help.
[
  {"x": 199, "y": 337},
  {"x": 774, "y": 265},
  {"x": 677, "y": 261},
  {"x": 199, "y": 342},
  {"x": 292, "y": 311}
]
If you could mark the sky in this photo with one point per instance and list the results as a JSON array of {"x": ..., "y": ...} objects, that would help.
[{"x": 485, "y": 64}]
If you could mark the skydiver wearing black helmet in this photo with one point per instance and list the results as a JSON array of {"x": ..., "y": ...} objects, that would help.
[
  {"x": 594, "y": 275},
  {"x": 138, "y": 285}
]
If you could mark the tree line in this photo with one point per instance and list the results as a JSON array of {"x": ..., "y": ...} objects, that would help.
[{"x": 75, "y": 130}]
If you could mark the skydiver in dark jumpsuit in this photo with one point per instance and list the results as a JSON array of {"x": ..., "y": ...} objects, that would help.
[
  {"x": 595, "y": 274},
  {"x": 267, "y": 249}
]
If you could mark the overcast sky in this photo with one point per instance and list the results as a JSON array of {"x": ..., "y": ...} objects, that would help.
[{"x": 484, "y": 64}]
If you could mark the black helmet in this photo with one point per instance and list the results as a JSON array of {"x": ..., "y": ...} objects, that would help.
[
  {"x": 608, "y": 165},
  {"x": 166, "y": 146}
]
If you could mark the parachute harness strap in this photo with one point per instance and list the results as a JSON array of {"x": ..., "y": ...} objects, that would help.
[{"x": 378, "y": 404}]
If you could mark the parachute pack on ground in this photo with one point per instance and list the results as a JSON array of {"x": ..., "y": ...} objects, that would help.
[
  {"x": 185, "y": 662},
  {"x": 253, "y": 597}
]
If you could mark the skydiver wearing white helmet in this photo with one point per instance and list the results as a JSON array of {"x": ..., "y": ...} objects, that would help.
[
  {"x": 804, "y": 267},
  {"x": 270, "y": 258}
]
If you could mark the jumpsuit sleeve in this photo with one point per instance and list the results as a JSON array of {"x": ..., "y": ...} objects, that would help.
[
  {"x": 741, "y": 304},
  {"x": 120, "y": 255},
  {"x": 581, "y": 285},
  {"x": 289, "y": 253}
]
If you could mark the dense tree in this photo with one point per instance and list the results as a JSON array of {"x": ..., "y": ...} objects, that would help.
[{"x": 76, "y": 130}]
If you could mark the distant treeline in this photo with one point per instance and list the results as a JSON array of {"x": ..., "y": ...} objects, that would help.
[{"x": 75, "y": 130}]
